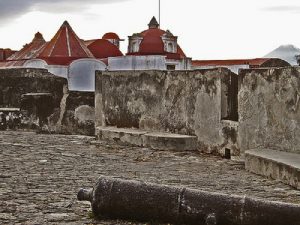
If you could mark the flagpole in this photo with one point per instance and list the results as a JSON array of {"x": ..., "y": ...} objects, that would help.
[{"x": 159, "y": 12}]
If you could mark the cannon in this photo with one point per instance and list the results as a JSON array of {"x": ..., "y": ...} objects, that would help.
[{"x": 134, "y": 200}]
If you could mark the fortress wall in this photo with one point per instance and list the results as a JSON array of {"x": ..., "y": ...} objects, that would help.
[
  {"x": 183, "y": 102},
  {"x": 16, "y": 82},
  {"x": 45, "y": 102},
  {"x": 269, "y": 112}
]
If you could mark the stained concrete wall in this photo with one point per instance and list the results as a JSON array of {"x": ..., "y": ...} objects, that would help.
[
  {"x": 269, "y": 113},
  {"x": 184, "y": 102}
]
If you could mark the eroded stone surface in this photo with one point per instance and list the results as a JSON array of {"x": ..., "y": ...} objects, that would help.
[
  {"x": 279, "y": 165},
  {"x": 182, "y": 102},
  {"x": 40, "y": 176},
  {"x": 269, "y": 109}
]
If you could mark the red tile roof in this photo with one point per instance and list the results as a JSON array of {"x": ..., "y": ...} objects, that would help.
[
  {"x": 88, "y": 42},
  {"x": 153, "y": 32},
  {"x": 111, "y": 35},
  {"x": 180, "y": 51},
  {"x": 6, "y": 53},
  {"x": 65, "y": 44},
  {"x": 63, "y": 61},
  {"x": 102, "y": 49},
  {"x": 230, "y": 62},
  {"x": 29, "y": 51}
]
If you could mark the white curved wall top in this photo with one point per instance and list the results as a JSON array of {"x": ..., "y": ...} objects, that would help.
[{"x": 81, "y": 76}]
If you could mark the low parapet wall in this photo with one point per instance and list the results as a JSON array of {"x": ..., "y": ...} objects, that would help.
[
  {"x": 269, "y": 109},
  {"x": 182, "y": 102},
  {"x": 36, "y": 92},
  {"x": 16, "y": 82},
  {"x": 45, "y": 103}
]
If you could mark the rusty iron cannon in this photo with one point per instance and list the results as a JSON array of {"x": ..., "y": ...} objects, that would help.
[{"x": 126, "y": 199}]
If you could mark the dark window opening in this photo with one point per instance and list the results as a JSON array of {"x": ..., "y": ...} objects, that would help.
[
  {"x": 171, "y": 67},
  {"x": 1, "y": 98},
  {"x": 227, "y": 153},
  {"x": 229, "y": 98}
]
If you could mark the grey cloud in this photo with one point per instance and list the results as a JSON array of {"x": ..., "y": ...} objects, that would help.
[
  {"x": 283, "y": 8},
  {"x": 10, "y": 9}
]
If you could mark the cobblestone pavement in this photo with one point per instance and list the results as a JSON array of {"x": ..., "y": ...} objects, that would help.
[{"x": 40, "y": 176}]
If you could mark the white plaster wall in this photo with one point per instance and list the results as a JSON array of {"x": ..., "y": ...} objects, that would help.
[
  {"x": 81, "y": 75},
  {"x": 184, "y": 64},
  {"x": 234, "y": 68},
  {"x": 61, "y": 71},
  {"x": 137, "y": 63},
  {"x": 35, "y": 63}
]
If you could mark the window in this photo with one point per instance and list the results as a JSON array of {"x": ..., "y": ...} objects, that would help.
[
  {"x": 229, "y": 98},
  {"x": 171, "y": 67},
  {"x": 170, "y": 47},
  {"x": 134, "y": 46}
]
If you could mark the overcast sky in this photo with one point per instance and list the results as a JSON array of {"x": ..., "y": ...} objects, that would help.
[{"x": 206, "y": 29}]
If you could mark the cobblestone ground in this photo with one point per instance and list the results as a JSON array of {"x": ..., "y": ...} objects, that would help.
[{"x": 40, "y": 176}]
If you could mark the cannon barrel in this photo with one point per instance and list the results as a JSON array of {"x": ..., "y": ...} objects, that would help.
[{"x": 126, "y": 199}]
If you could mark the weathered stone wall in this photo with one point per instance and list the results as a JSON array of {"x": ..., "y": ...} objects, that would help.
[
  {"x": 184, "y": 102},
  {"x": 46, "y": 103},
  {"x": 79, "y": 115},
  {"x": 16, "y": 82},
  {"x": 269, "y": 113},
  {"x": 36, "y": 92}
]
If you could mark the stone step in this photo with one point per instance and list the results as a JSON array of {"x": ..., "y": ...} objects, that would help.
[
  {"x": 168, "y": 141},
  {"x": 274, "y": 164},
  {"x": 154, "y": 140},
  {"x": 121, "y": 135},
  {"x": 10, "y": 109}
]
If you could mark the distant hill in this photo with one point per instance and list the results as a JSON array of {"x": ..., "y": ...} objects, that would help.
[{"x": 285, "y": 52}]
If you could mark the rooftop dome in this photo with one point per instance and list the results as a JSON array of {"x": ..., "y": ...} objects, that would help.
[
  {"x": 102, "y": 49},
  {"x": 152, "y": 42},
  {"x": 111, "y": 35}
]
